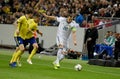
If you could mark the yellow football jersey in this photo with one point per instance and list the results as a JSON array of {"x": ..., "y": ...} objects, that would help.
[
  {"x": 33, "y": 26},
  {"x": 22, "y": 26}
]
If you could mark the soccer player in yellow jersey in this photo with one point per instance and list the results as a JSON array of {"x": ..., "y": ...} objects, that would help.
[
  {"x": 21, "y": 31},
  {"x": 17, "y": 48},
  {"x": 33, "y": 26}
]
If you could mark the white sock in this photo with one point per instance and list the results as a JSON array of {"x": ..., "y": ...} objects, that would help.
[{"x": 60, "y": 56}]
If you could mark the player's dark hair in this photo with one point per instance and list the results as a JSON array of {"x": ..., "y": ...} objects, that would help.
[{"x": 29, "y": 11}]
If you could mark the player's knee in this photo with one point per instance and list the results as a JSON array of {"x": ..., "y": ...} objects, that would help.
[
  {"x": 22, "y": 49},
  {"x": 35, "y": 46}
]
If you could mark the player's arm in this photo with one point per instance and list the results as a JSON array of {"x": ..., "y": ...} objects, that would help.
[
  {"x": 15, "y": 23},
  {"x": 18, "y": 23},
  {"x": 50, "y": 17},
  {"x": 74, "y": 35},
  {"x": 30, "y": 30},
  {"x": 39, "y": 32}
]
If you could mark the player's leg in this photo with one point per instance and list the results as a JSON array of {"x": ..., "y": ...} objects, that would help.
[
  {"x": 56, "y": 62},
  {"x": 33, "y": 52},
  {"x": 19, "y": 52},
  {"x": 21, "y": 49},
  {"x": 35, "y": 47},
  {"x": 61, "y": 52},
  {"x": 17, "y": 47},
  {"x": 18, "y": 61},
  {"x": 64, "y": 50},
  {"x": 13, "y": 57},
  {"x": 59, "y": 56},
  {"x": 14, "y": 54}
]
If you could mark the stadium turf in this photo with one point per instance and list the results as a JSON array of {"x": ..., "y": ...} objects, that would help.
[{"x": 42, "y": 68}]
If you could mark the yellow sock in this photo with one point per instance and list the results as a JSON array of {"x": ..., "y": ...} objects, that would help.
[
  {"x": 13, "y": 56},
  {"x": 32, "y": 53},
  {"x": 18, "y": 53},
  {"x": 18, "y": 59}
]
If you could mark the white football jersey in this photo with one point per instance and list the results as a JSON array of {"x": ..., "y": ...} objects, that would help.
[{"x": 64, "y": 30}]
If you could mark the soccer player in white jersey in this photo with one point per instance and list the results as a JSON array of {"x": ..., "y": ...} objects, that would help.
[{"x": 65, "y": 28}]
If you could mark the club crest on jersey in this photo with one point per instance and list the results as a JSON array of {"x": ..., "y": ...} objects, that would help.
[{"x": 65, "y": 28}]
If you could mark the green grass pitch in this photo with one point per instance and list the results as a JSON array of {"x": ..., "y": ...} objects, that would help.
[{"x": 42, "y": 68}]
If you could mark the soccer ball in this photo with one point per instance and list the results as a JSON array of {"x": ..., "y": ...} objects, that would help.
[{"x": 78, "y": 67}]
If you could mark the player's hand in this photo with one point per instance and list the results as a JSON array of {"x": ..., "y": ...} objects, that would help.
[
  {"x": 41, "y": 33},
  {"x": 17, "y": 32},
  {"x": 75, "y": 43}
]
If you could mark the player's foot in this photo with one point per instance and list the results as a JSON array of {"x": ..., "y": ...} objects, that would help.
[
  {"x": 29, "y": 61},
  {"x": 13, "y": 64},
  {"x": 56, "y": 66},
  {"x": 19, "y": 64}
]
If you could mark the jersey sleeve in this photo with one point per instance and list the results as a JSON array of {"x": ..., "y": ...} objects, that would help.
[
  {"x": 60, "y": 19},
  {"x": 19, "y": 21}
]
